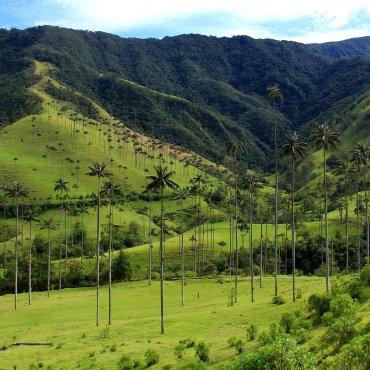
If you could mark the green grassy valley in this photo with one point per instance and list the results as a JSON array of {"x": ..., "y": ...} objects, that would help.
[{"x": 143, "y": 223}]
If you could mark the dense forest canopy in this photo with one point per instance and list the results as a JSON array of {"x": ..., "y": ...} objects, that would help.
[{"x": 208, "y": 89}]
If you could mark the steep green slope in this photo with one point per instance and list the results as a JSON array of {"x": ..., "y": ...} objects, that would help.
[{"x": 223, "y": 82}]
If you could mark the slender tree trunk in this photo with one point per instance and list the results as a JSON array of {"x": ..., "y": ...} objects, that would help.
[
  {"x": 82, "y": 238},
  {"x": 161, "y": 265},
  {"x": 358, "y": 222},
  {"x": 276, "y": 203},
  {"x": 98, "y": 254},
  {"x": 293, "y": 229},
  {"x": 61, "y": 246},
  {"x": 49, "y": 263},
  {"x": 251, "y": 260},
  {"x": 182, "y": 263},
  {"x": 16, "y": 259},
  {"x": 5, "y": 236},
  {"x": 261, "y": 252},
  {"x": 347, "y": 258},
  {"x": 236, "y": 235},
  {"x": 30, "y": 266},
  {"x": 65, "y": 242},
  {"x": 150, "y": 240},
  {"x": 366, "y": 214},
  {"x": 110, "y": 263},
  {"x": 326, "y": 228}
]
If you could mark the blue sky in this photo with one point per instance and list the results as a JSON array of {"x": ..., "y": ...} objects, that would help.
[{"x": 304, "y": 21}]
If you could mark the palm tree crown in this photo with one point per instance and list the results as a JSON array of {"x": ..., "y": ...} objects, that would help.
[
  {"x": 17, "y": 191},
  {"x": 293, "y": 146},
  {"x": 324, "y": 137},
  {"x": 273, "y": 93},
  {"x": 161, "y": 180},
  {"x": 98, "y": 169}
]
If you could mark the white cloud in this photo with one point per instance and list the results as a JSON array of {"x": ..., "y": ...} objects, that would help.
[{"x": 329, "y": 18}]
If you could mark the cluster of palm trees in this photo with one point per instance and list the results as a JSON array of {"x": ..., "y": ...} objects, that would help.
[{"x": 323, "y": 137}]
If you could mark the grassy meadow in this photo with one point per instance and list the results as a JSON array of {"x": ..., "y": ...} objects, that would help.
[{"x": 67, "y": 320}]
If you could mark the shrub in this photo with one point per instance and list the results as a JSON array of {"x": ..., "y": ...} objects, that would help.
[
  {"x": 306, "y": 324},
  {"x": 287, "y": 321},
  {"x": 239, "y": 346},
  {"x": 278, "y": 300},
  {"x": 125, "y": 363},
  {"x": 365, "y": 275},
  {"x": 179, "y": 350},
  {"x": 232, "y": 341},
  {"x": 188, "y": 342},
  {"x": 202, "y": 351},
  {"x": 197, "y": 366},
  {"x": 252, "y": 332},
  {"x": 320, "y": 303},
  {"x": 283, "y": 353},
  {"x": 151, "y": 357}
]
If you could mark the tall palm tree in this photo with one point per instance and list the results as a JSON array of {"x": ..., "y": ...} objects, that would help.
[
  {"x": 98, "y": 170},
  {"x": 61, "y": 186},
  {"x": 198, "y": 181},
  {"x": 30, "y": 215},
  {"x": 364, "y": 150},
  {"x": 234, "y": 147},
  {"x": 67, "y": 207},
  {"x": 159, "y": 182},
  {"x": 345, "y": 169},
  {"x": 181, "y": 195},
  {"x": 356, "y": 158},
  {"x": 323, "y": 137},
  {"x": 251, "y": 184},
  {"x": 82, "y": 210},
  {"x": 49, "y": 225},
  {"x": 16, "y": 191},
  {"x": 293, "y": 147},
  {"x": 274, "y": 94},
  {"x": 111, "y": 191}
]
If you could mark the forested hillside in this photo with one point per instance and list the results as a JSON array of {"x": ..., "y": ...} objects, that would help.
[{"x": 192, "y": 90}]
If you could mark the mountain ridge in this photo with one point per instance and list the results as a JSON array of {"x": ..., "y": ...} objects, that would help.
[{"x": 224, "y": 77}]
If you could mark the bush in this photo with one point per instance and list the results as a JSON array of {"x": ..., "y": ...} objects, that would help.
[
  {"x": 179, "y": 350},
  {"x": 232, "y": 341},
  {"x": 365, "y": 275},
  {"x": 283, "y": 353},
  {"x": 239, "y": 346},
  {"x": 320, "y": 303},
  {"x": 125, "y": 363},
  {"x": 287, "y": 321},
  {"x": 188, "y": 342},
  {"x": 252, "y": 332},
  {"x": 202, "y": 351},
  {"x": 278, "y": 300},
  {"x": 197, "y": 366},
  {"x": 151, "y": 357}
]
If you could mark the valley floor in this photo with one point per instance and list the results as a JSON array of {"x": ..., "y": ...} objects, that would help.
[{"x": 67, "y": 320}]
